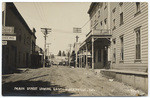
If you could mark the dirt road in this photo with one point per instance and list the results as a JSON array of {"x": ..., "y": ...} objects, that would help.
[{"x": 63, "y": 81}]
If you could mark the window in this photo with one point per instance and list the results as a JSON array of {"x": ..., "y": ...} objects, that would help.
[
  {"x": 101, "y": 23},
  {"x": 105, "y": 21},
  {"x": 3, "y": 18},
  {"x": 113, "y": 18},
  {"x": 137, "y": 9},
  {"x": 114, "y": 24},
  {"x": 121, "y": 13},
  {"x": 95, "y": 20},
  {"x": 105, "y": 5},
  {"x": 121, "y": 18},
  {"x": 98, "y": 13},
  {"x": 114, "y": 41},
  {"x": 99, "y": 55},
  {"x": 114, "y": 51},
  {"x": 137, "y": 6},
  {"x": 138, "y": 44},
  {"x": 114, "y": 56},
  {"x": 91, "y": 23},
  {"x": 122, "y": 50}
]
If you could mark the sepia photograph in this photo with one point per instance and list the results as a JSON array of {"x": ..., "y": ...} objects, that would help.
[{"x": 77, "y": 49}]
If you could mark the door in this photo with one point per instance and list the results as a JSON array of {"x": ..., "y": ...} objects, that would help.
[{"x": 27, "y": 59}]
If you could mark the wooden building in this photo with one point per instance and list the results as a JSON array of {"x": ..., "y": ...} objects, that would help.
[
  {"x": 17, "y": 53},
  {"x": 129, "y": 46},
  {"x": 118, "y": 41}
]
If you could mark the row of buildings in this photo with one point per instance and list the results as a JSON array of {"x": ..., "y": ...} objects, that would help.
[
  {"x": 20, "y": 48},
  {"x": 117, "y": 42}
]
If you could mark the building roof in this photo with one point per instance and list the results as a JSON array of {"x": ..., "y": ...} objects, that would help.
[
  {"x": 16, "y": 12},
  {"x": 92, "y": 6}
]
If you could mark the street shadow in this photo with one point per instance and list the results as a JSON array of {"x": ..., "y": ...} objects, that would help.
[
  {"x": 12, "y": 71},
  {"x": 42, "y": 88},
  {"x": 38, "y": 77}
]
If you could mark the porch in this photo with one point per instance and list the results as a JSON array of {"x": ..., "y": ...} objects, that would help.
[{"x": 93, "y": 52}]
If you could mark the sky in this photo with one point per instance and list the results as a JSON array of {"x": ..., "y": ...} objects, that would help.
[{"x": 61, "y": 17}]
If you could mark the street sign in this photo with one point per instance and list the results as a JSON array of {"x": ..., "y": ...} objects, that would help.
[
  {"x": 76, "y": 30},
  {"x": 8, "y": 37},
  {"x": 4, "y": 42},
  {"x": 7, "y": 30}
]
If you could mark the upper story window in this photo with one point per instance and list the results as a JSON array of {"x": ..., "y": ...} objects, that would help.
[
  {"x": 101, "y": 23},
  {"x": 3, "y": 18},
  {"x": 91, "y": 23},
  {"x": 137, "y": 8},
  {"x": 114, "y": 24},
  {"x": 121, "y": 13},
  {"x": 122, "y": 48},
  {"x": 114, "y": 41},
  {"x": 113, "y": 12},
  {"x": 95, "y": 19},
  {"x": 99, "y": 13},
  {"x": 105, "y": 5},
  {"x": 105, "y": 21},
  {"x": 113, "y": 19}
]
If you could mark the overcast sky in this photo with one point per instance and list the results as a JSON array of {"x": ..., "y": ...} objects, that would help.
[{"x": 60, "y": 17}]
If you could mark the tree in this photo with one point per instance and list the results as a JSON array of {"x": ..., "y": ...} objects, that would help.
[
  {"x": 52, "y": 56},
  {"x": 63, "y": 54},
  {"x": 59, "y": 53}
]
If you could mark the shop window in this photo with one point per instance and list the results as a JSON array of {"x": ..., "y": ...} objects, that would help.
[{"x": 138, "y": 44}]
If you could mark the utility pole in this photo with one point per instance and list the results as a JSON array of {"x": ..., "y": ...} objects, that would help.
[
  {"x": 48, "y": 44},
  {"x": 45, "y": 32},
  {"x": 70, "y": 45}
]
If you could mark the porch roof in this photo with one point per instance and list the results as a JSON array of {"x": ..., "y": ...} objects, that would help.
[{"x": 98, "y": 33}]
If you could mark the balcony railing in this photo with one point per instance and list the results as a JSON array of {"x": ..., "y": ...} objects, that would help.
[{"x": 99, "y": 32}]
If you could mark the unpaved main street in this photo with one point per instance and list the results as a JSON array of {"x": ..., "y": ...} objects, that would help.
[{"x": 63, "y": 81}]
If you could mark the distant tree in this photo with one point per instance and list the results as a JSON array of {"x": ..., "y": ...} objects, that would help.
[
  {"x": 59, "y": 53},
  {"x": 52, "y": 56},
  {"x": 63, "y": 54}
]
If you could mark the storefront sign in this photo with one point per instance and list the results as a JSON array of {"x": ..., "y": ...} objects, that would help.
[
  {"x": 7, "y": 30},
  {"x": 8, "y": 37},
  {"x": 4, "y": 42}
]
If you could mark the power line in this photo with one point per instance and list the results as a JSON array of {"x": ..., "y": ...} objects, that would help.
[
  {"x": 38, "y": 11},
  {"x": 85, "y": 23},
  {"x": 42, "y": 13}
]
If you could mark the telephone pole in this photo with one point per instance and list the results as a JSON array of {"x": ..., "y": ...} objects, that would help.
[
  {"x": 48, "y": 44},
  {"x": 45, "y": 32}
]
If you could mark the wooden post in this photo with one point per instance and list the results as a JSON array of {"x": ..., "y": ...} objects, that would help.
[
  {"x": 81, "y": 57},
  {"x": 79, "y": 61},
  {"x": 92, "y": 53},
  {"x": 76, "y": 58},
  {"x": 86, "y": 56}
]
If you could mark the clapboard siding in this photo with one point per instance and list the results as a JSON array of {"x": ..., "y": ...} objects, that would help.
[{"x": 127, "y": 29}]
